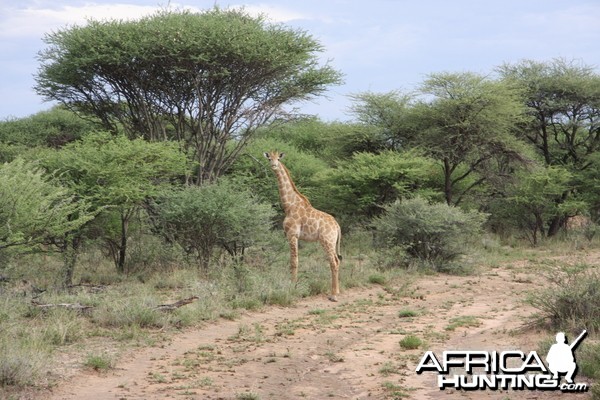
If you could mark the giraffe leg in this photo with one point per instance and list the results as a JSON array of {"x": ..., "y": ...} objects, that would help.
[
  {"x": 334, "y": 264},
  {"x": 294, "y": 257}
]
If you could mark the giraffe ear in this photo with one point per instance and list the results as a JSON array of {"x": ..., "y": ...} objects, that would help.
[
  {"x": 267, "y": 155},
  {"x": 281, "y": 155}
]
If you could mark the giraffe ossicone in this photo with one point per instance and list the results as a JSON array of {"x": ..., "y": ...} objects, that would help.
[{"x": 304, "y": 222}]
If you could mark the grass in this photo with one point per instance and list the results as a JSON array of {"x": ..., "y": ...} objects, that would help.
[
  {"x": 410, "y": 342},
  {"x": 464, "y": 321},
  {"x": 20, "y": 365},
  {"x": 377, "y": 279},
  {"x": 407, "y": 313},
  {"x": 572, "y": 300},
  {"x": 247, "y": 396},
  {"x": 123, "y": 313},
  {"x": 388, "y": 368},
  {"x": 99, "y": 362},
  {"x": 394, "y": 391}
]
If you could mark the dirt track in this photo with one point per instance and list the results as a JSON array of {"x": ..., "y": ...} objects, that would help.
[{"x": 324, "y": 350}]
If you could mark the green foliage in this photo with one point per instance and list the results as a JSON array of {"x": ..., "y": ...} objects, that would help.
[
  {"x": 434, "y": 233},
  {"x": 209, "y": 79},
  {"x": 53, "y": 128},
  {"x": 221, "y": 214},
  {"x": 467, "y": 126},
  {"x": 390, "y": 115},
  {"x": 364, "y": 184},
  {"x": 377, "y": 279},
  {"x": 115, "y": 171},
  {"x": 464, "y": 321},
  {"x": 34, "y": 209},
  {"x": 572, "y": 301},
  {"x": 407, "y": 313},
  {"x": 304, "y": 167},
  {"x": 562, "y": 98},
  {"x": 587, "y": 184},
  {"x": 536, "y": 196},
  {"x": 329, "y": 141},
  {"x": 102, "y": 362},
  {"x": 588, "y": 360},
  {"x": 411, "y": 342},
  {"x": 115, "y": 175}
]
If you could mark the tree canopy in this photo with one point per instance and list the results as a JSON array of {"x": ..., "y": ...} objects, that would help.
[
  {"x": 33, "y": 208},
  {"x": 116, "y": 175},
  {"x": 208, "y": 79}
]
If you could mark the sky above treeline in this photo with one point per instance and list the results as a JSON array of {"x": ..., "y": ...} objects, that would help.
[{"x": 379, "y": 46}]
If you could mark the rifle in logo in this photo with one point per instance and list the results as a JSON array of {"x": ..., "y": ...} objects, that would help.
[{"x": 560, "y": 357}]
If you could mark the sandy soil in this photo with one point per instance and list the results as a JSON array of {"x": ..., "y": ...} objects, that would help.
[{"x": 323, "y": 350}]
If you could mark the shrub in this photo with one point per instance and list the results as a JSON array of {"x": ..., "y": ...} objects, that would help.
[
  {"x": 406, "y": 313},
  {"x": 434, "y": 233},
  {"x": 220, "y": 214},
  {"x": 572, "y": 301},
  {"x": 410, "y": 342},
  {"x": 360, "y": 186},
  {"x": 33, "y": 208},
  {"x": 102, "y": 362},
  {"x": 377, "y": 279},
  {"x": 19, "y": 366}
]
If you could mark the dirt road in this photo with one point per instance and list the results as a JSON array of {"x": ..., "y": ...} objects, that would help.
[{"x": 323, "y": 350}]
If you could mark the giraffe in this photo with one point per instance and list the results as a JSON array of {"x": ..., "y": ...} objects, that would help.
[{"x": 304, "y": 222}]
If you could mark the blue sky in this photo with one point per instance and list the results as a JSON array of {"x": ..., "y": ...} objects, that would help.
[{"x": 379, "y": 46}]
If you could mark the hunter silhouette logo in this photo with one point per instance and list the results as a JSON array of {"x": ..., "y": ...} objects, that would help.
[
  {"x": 560, "y": 358},
  {"x": 512, "y": 369}
]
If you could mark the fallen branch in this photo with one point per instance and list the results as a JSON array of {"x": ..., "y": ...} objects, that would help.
[
  {"x": 90, "y": 288},
  {"x": 70, "y": 306},
  {"x": 176, "y": 305}
]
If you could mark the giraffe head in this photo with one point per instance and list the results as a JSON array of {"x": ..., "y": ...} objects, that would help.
[{"x": 274, "y": 157}]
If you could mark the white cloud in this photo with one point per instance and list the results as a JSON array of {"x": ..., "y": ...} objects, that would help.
[
  {"x": 40, "y": 17},
  {"x": 32, "y": 19}
]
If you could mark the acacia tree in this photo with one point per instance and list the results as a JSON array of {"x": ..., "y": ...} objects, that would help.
[
  {"x": 465, "y": 122},
  {"x": 469, "y": 123},
  {"x": 36, "y": 210},
  {"x": 563, "y": 99},
  {"x": 33, "y": 208},
  {"x": 116, "y": 176},
  {"x": 208, "y": 79}
]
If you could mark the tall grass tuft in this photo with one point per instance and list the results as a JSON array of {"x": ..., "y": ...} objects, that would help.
[
  {"x": 572, "y": 302},
  {"x": 20, "y": 365}
]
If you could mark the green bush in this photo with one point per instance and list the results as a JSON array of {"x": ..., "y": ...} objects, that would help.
[
  {"x": 433, "y": 233},
  {"x": 362, "y": 185},
  {"x": 411, "y": 342},
  {"x": 572, "y": 301},
  {"x": 102, "y": 362},
  {"x": 33, "y": 208},
  {"x": 223, "y": 214}
]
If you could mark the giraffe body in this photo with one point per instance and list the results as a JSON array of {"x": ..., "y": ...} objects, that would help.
[{"x": 304, "y": 222}]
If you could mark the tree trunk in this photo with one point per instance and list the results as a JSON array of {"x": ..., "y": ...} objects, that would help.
[
  {"x": 122, "y": 252},
  {"x": 70, "y": 253},
  {"x": 448, "y": 182},
  {"x": 555, "y": 225}
]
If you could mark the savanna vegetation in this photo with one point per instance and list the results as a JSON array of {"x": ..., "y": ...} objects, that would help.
[{"x": 146, "y": 184}]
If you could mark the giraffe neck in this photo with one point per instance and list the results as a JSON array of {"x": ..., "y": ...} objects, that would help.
[{"x": 288, "y": 193}]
